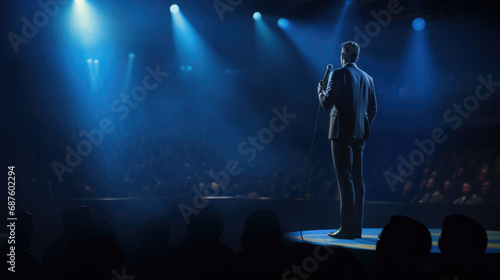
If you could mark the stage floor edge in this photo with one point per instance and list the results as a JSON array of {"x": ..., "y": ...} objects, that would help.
[{"x": 368, "y": 240}]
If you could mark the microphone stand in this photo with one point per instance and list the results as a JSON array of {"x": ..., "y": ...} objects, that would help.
[{"x": 325, "y": 80}]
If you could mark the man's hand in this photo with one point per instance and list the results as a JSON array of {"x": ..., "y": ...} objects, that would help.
[
  {"x": 321, "y": 89},
  {"x": 320, "y": 84}
]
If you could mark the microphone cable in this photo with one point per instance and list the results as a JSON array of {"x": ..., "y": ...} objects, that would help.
[
  {"x": 307, "y": 176},
  {"x": 329, "y": 68}
]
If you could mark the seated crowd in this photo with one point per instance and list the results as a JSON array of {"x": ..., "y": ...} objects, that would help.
[
  {"x": 148, "y": 161},
  {"x": 90, "y": 249}
]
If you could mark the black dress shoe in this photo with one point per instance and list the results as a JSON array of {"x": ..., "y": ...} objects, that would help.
[{"x": 340, "y": 235}]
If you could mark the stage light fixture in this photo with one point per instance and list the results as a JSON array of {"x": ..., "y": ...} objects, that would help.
[
  {"x": 418, "y": 24},
  {"x": 174, "y": 9},
  {"x": 257, "y": 16},
  {"x": 283, "y": 23}
]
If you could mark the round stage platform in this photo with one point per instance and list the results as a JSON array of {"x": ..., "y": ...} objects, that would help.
[{"x": 368, "y": 240}]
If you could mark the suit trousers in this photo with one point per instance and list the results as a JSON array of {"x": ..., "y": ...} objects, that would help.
[{"x": 348, "y": 163}]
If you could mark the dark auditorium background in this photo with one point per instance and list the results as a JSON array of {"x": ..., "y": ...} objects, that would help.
[{"x": 159, "y": 122}]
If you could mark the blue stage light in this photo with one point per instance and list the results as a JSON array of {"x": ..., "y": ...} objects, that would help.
[
  {"x": 79, "y": 1},
  {"x": 85, "y": 25},
  {"x": 89, "y": 60},
  {"x": 183, "y": 67},
  {"x": 417, "y": 78},
  {"x": 283, "y": 23},
  {"x": 174, "y": 9},
  {"x": 189, "y": 68},
  {"x": 257, "y": 16},
  {"x": 131, "y": 55},
  {"x": 96, "y": 61},
  {"x": 418, "y": 24}
]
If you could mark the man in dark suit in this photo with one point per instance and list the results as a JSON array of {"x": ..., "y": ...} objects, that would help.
[{"x": 349, "y": 94}]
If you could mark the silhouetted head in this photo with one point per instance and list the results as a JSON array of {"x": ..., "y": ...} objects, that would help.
[
  {"x": 350, "y": 52},
  {"x": 463, "y": 241},
  {"x": 97, "y": 227},
  {"x": 261, "y": 227},
  {"x": 85, "y": 213},
  {"x": 403, "y": 245}
]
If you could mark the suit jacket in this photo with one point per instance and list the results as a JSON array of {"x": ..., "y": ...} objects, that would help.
[{"x": 350, "y": 97}]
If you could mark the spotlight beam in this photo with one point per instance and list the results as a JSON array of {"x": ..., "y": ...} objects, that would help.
[{"x": 128, "y": 73}]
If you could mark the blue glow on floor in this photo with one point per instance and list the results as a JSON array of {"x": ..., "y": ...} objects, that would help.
[{"x": 368, "y": 240}]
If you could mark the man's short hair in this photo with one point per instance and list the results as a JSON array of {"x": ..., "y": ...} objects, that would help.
[{"x": 351, "y": 50}]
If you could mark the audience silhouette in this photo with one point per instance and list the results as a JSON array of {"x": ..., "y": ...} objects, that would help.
[
  {"x": 202, "y": 255},
  {"x": 155, "y": 257},
  {"x": 463, "y": 244},
  {"x": 403, "y": 245},
  {"x": 91, "y": 253},
  {"x": 73, "y": 219},
  {"x": 89, "y": 250},
  {"x": 27, "y": 266},
  {"x": 263, "y": 255}
]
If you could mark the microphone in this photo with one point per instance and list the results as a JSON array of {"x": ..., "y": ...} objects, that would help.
[{"x": 329, "y": 68}]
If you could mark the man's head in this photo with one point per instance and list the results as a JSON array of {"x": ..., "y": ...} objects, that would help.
[
  {"x": 431, "y": 184},
  {"x": 350, "y": 52},
  {"x": 485, "y": 188},
  {"x": 407, "y": 186},
  {"x": 466, "y": 188},
  {"x": 483, "y": 174}
]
